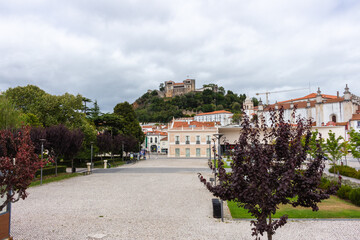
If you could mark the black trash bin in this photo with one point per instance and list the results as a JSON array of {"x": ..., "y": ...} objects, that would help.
[{"x": 216, "y": 208}]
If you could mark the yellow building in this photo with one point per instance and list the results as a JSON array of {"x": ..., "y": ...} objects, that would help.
[{"x": 190, "y": 139}]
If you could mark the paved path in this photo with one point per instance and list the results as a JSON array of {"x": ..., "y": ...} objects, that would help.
[{"x": 153, "y": 199}]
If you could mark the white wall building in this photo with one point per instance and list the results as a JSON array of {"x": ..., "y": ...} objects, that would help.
[{"x": 222, "y": 116}]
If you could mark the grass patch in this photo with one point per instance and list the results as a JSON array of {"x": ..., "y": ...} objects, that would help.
[
  {"x": 333, "y": 207},
  {"x": 52, "y": 178}
]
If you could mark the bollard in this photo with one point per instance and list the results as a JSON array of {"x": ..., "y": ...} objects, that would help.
[
  {"x": 88, "y": 168},
  {"x": 105, "y": 164}
]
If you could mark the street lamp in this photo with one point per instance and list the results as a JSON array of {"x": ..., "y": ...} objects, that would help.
[
  {"x": 42, "y": 151},
  {"x": 218, "y": 136},
  {"x": 91, "y": 156}
]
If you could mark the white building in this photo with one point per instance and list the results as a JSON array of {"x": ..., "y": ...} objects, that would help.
[
  {"x": 325, "y": 110},
  {"x": 223, "y": 117}
]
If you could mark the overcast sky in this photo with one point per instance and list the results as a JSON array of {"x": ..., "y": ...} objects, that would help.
[{"x": 115, "y": 50}]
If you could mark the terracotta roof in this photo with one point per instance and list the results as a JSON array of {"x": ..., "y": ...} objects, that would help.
[
  {"x": 193, "y": 123},
  {"x": 340, "y": 99},
  {"x": 287, "y": 105},
  {"x": 215, "y": 112},
  {"x": 341, "y": 123},
  {"x": 355, "y": 117},
  {"x": 164, "y": 139},
  {"x": 158, "y": 132},
  {"x": 311, "y": 95}
]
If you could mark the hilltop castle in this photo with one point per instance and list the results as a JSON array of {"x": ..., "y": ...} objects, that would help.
[{"x": 173, "y": 89}]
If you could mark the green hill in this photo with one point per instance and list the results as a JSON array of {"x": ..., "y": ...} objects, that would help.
[{"x": 151, "y": 107}]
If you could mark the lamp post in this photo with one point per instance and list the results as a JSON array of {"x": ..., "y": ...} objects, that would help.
[
  {"x": 42, "y": 151},
  {"x": 218, "y": 136},
  {"x": 91, "y": 156}
]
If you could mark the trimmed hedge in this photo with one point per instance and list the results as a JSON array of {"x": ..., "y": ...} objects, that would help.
[
  {"x": 346, "y": 171},
  {"x": 50, "y": 170},
  {"x": 329, "y": 186},
  {"x": 344, "y": 192},
  {"x": 354, "y": 196}
]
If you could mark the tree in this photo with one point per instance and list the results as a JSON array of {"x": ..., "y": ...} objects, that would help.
[
  {"x": 236, "y": 118},
  {"x": 94, "y": 112},
  {"x": 333, "y": 146},
  {"x": 162, "y": 87},
  {"x": 355, "y": 143},
  {"x": 76, "y": 138},
  {"x": 132, "y": 126},
  {"x": 16, "y": 175},
  {"x": 104, "y": 142},
  {"x": 236, "y": 107},
  {"x": 36, "y": 134},
  {"x": 57, "y": 141},
  {"x": 9, "y": 116},
  {"x": 266, "y": 171}
]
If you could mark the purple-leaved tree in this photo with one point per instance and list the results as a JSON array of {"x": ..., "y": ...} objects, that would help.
[
  {"x": 18, "y": 164},
  {"x": 269, "y": 168}
]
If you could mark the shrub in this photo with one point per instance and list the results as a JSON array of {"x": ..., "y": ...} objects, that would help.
[
  {"x": 329, "y": 186},
  {"x": 344, "y": 192},
  {"x": 354, "y": 196},
  {"x": 50, "y": 171},
  {"x": 346, "y": 171}
]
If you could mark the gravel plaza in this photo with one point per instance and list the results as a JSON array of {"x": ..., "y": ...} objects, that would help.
[{"x": 158, "y": 198}]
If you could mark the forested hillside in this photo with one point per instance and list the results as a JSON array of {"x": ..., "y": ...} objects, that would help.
[{"x": 150, "y": 107}]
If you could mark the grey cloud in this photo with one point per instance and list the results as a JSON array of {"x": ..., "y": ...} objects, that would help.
[{"x": 115, "y": 51}]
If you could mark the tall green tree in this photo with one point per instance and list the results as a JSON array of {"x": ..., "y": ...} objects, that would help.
[
  {"x": 132, "y": 126},
  {"x": 334, "y": 146},
  {"x": 9, "y": 116}
]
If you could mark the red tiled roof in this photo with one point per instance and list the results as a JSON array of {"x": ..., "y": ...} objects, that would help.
[
  {"x": 303, "y": 104},
  {"x": 215, "y": 112},
  {"x": 355, "y": 117},
  {"x": 311, "y": 95},
  {"x": 341, "y": 123},
  {"x": 164, "y": 139},
  {"x": 193, "y": 123}
]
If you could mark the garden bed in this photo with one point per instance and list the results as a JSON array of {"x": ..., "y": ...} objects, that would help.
[{"x": 333, "y": 207}]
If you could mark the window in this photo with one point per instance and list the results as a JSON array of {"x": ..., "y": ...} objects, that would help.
[
  {"x": 187, "y": 151},
  {"x": 198, "y": 152},
  {"x": 358, "y": 124},
  {"x": 333, "y": 118},
  {"x": 197, "y": 139},
  {"x": 208, "y": 141},
  {"x": 155, "y": 139},
  {"x": 151, "y": 140},
  {"x": 177, "y": 152},
  {"x": 208, "y": 152},
  {"x": 177, "y": 140},
  {"x": 187, "y": 140}
]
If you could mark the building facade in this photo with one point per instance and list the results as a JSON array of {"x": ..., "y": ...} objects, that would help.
[
  {"x": 324, "y": 109},
  {"x": 190, "y": 139},
  {"x": 223, "y": 117}
]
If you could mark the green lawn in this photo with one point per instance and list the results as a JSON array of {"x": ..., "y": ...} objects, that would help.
[
  {"x": 52, "y": 178},
  {"x": 333, "y": 207}
]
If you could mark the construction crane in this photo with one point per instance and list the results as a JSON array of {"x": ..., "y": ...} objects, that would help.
[{"x": 289, "y": 90}]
